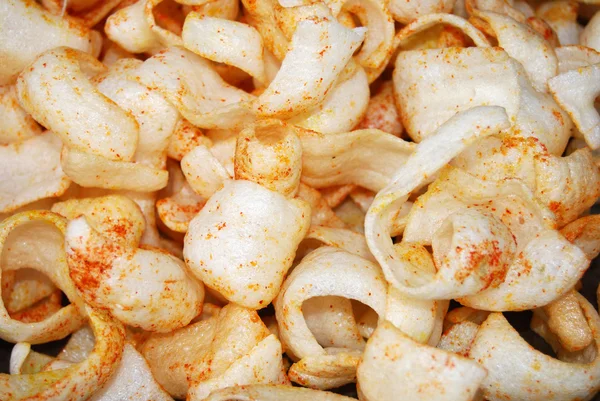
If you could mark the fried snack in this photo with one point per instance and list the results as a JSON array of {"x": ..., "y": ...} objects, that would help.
[
  {"x": 143, "y": 287},
  {"x": 394, "y": 365},
  {"x": 43, "y": 231},
  {"x": 39, "y": 31},
  {"x": 509, "y": 359},
  {"x": 331, "y": 177},
  {"x": 243, "y": 228}
]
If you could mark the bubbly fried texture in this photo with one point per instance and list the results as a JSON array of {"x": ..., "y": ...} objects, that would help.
[{"x": 266, "y": 200}]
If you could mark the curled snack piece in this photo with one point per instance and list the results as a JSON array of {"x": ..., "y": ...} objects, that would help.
[
  {"x": 342, "y": 108},
  {"x": 368, "y": 158},
  {"x": 147, "y": 288},
  {"x": 203, "y": 171},
  {"x": 42, "y": 231},
  {"x": 590, "y": 37},
  {"x": 31, "y": 171},
  {"x": 517, "y": 370},
  {"x": 262, "y": 365},
  {"x": 573, "y": 57},
  {"x": 17, "y": 125},
  {"x": 394, "y": 366},
  {"x": 427, "y": 159},
  {"x": 223, "y": 41},
  {"x": 172, "y": 368},
  {"x": 406, "y": 12},
  {"x": 78, "y": 381},
  {"x": 73, "y": 109},
  {"x": 348, "y": 240},
  {"x": 240, "y": 243},
  {"x": 155, "y": 116},
  {"x": 463, "y": 71},
  {"x": 561, "y": 15},
  {"x": 575, "y": 91},
  {"x": 530, "y": 224},
  {"x": 38, "y": 31},
  {"x": 134, "y": 28},
  {"x": 585, "y": 233},
  {"x": 377, "y": 48},
  {"x": 190, "y": 84},
  {"x": 525, "y": 45},
  {"x": 319, "y": 52},
  {"x": 270, "y": 154},
  {"x": 176, "y": 211},
  {"x": 566, "y": 320},
  {"x": 255, "y": 359},
  {"x": 323, "y": 273},
  {"x": 327, "y": 371}
]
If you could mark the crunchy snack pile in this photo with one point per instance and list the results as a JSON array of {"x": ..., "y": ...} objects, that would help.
[{"x": 267, "y": 200}]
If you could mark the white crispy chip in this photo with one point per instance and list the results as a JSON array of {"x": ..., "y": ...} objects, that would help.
[
  {"x": 42, "y": 231},
  {"x": 465, "y": 72},
  {"x": 195, "y": 89},
  {"x": 432, "y": 154},
  {"x": 89, "y": 170},
  {"x": 262, "y": 365},
  {"x": 131, "y": 380},
  {"x": 368, "y": 158},
  {"x": 341, "y": 110},
  {"x": 319, "y": 52},
  {"x": 17, "y": 125},
  {"x": 155, "y": 116},
  {"x": 269, "y": 153},
  {"x": 590, "y": 37},
  {"x": 517, "y": 370},
  {"x": 574, "y": 57},
  {"x": 57, "y": 93},
  {"x": 31, "y": 171},
  {"x": 225, "y": 41},
  {"x": 526, "y": 46},
  {"x": 27, "y": 30},
  {"x": 529, "y": 223},
  {"x": 406, "y": 12},
  {"x": 575, "y": 91},
  {"x": 395, "y": 366},
  {"x": 86, "y": 377},
  {"x": 147, "y": 288},
  {"x": 377, "y": 47},
  {"x": 203, "y": 172},
  {"x": 241, "y": 245},
  {"x": 325, "y": 271},
  {"x": 561, "y": 15},
  {"x": 171, "y": 367},
  {"x": 134, "y": 28},
  {"x": 176, "y": 211},
  {"x": 584, "y": 233},
  {"x": 331, "y": 320}
]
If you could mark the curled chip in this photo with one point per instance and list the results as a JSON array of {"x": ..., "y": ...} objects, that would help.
[
  {"x": 394, "y": 365},
  {"x": 517, "y": 370},
  {"x": 143, "y": 287},
  {"x": 43, "y": 231}
]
